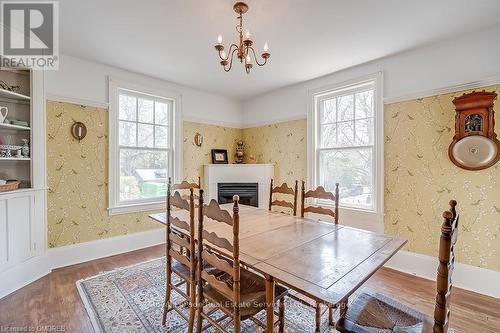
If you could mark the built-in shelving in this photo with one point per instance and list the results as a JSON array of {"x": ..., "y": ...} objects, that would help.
[
  {"x": 14, "y": 127},
  {"x": 13, "y": 95}
]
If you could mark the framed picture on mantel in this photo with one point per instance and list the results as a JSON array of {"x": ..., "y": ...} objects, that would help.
[{"x": 219, "y": 156}]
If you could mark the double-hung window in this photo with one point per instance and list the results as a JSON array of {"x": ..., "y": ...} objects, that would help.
[
  {"x": 346, "y": 143},
  {"x": 142, "y": 144}
]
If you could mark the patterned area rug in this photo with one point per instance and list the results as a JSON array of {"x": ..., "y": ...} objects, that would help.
[{"x": 130, "y": 299}]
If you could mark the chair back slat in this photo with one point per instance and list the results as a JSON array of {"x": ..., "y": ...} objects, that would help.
[
  {"x": 179, "y": 257},
  {"x": 283, "y": 189},
  {"x": 286, "y": 190},
  {"x": 178, "y": 202},
  {"x": 319, "y": 210},
  {"x": 283, "y": 203},
  {"x": 214, "y": 212},
  {"x": 321, "y": 194},
  {"x": 179, "y": 224},
  {"x": 213, "y": 239},
  {"x": 182, "y": 242},
  {"x": 449, "y": 235},
  {"x": 221, "y": 286},
  {"x": 218, "y": 263},
  {"x": 185, "y": 185}
]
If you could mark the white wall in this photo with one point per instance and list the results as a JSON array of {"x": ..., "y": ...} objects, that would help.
[
  {"x": 469, "y": 58},
  {"x": 86, "y": 82}
]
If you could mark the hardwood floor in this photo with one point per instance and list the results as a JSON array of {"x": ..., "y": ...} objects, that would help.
[{"x": 54, "y": 300}]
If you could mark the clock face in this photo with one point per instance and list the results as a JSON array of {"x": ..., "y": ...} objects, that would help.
[{"x": 475, "y": 151}]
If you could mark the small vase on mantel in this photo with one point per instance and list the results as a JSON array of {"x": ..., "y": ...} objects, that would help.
[{"x": 25, "y": 150}]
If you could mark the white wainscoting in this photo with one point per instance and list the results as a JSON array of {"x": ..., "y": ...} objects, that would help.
[
  {"x": 480, "y": 280},
  {"x": 31, "y": 270}
]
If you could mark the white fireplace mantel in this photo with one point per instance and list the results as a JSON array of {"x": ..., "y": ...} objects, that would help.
[{"x": 238, "y": 173}]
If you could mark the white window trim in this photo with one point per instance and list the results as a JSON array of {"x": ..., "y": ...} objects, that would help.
[
  {"x": 350, "y": 213},
  {"x": 115, "y": 208}
]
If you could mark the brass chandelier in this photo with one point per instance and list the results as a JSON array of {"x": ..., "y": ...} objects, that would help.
[{"x": 243, "y": 50}]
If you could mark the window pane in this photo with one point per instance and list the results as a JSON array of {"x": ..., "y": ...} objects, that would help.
[
  {"x": 364, "y": 104},
  {"x": 328, "y": 110},
  {"x": 161, "y": 113},
  {"x": 328, "y": 136},
  {"x": 145, "y": 107},
  {"x": 145, "y": 135},
  {"x": 346, "y": 108},
  {"x": 364, "y": 132},
  {"x": 143, "y": 174},
  {"x": 161, "y": 137},
  {"x": 346, "y": 134},
  {"x": 352, "y": 169},
  {"x": 127, "y": 133},
  {"x": 127, "y": 106}
]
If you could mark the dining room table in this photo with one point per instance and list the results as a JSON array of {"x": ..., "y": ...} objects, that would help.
[{"x": 324, "y": 261}]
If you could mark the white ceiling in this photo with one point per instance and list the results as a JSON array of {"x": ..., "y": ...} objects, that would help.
[{"x": 174, "y": 39}]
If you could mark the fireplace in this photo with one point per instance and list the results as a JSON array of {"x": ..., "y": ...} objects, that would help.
[{"x": 248, "y": 192}]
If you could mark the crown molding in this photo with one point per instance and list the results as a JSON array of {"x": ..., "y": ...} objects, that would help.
[{"x": 489, "y": 81}]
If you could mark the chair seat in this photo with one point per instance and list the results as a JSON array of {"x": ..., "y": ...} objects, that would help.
[
  {"x": 373, "y": 312},
  {"x": 253, "y": 293},
  {"x": 180, "y": 269}
]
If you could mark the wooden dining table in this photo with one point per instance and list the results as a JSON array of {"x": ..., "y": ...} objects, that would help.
[{"x": 321, "y": 260}]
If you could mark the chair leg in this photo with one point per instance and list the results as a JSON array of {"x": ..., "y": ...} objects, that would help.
[
  {"x": 167, "y": 300},
  {"x": 318, "y": 318},
  {"x": 331, "y": 322},
  {"x": 192, "y": 307},
  {"x": 282, "y": 315}
]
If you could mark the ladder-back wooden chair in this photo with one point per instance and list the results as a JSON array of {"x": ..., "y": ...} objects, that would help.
[
  {"x": 375, "y": 312},
  {"x": 181, "y": 263},
  {"x": 284, "y": 189},
  {"x": 222, "y": 282},
  {"x": 321, "y": 194}
]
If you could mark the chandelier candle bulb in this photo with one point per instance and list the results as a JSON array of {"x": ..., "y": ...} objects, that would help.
[
  {"x": 247, "y": 34},
  {"x": 219, "y": 39},
  {"x": 266, "y": 47}
]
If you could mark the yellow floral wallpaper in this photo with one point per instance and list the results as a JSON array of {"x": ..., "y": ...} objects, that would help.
[
  {"x": 420, "y": 180},
  {"x": 78, "y": 179},
  {"x": 284, "y": 144},
  {"x": 214, "y": 137},
  {"x": 78, "y": 174}
]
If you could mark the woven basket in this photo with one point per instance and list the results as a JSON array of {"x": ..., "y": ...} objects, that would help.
[{"x": 11, "y": 185}]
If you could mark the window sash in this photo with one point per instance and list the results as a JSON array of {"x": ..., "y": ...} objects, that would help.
[
  {"x": 171, "y": 126},
  {"x": 371, "y": 207},
  {"x": 318, "y": 109}
]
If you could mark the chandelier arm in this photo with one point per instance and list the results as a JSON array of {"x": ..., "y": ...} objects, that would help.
[
  {"x": 228, "y": 53},
  {"x": 232, "y": 57},
  {"x": 256, "y": 59}
]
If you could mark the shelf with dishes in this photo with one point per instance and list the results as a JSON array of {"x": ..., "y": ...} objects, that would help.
[
  {"x": 14, "y": 127},
  {"x": 4, "y": 93}
]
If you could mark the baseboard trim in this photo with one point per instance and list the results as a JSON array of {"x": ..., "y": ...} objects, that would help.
[
  {"x": 35, "y": 268},
  {"x": 23, "y": 274},
  {"x": 83, "y": 252},
  {"x": 476, "y": 279}
]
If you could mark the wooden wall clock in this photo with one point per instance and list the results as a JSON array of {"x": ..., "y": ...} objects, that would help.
[{"x": 475, "y": 145}]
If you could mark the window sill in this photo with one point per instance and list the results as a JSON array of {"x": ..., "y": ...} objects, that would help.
[{"x": 136, "y": 208}]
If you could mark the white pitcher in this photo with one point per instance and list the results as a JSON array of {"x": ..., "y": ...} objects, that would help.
[{"x": 2, "y": 114}]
